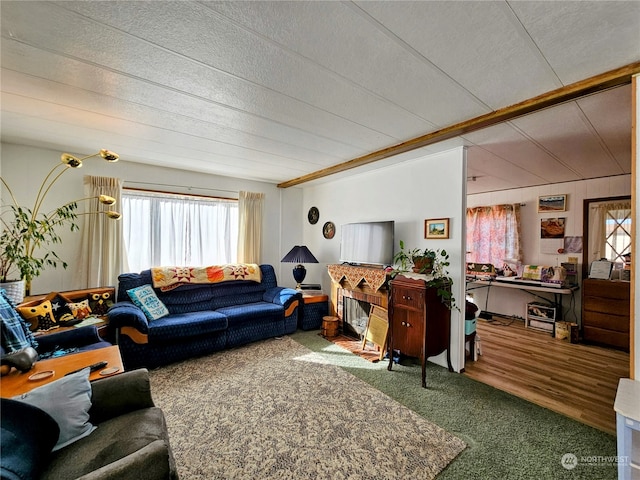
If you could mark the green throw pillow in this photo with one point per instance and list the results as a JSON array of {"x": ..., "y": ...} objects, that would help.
[{"x": 146, "y": 299}]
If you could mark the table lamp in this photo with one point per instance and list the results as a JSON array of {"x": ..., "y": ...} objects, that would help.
[{"x": 299, "y": 254}]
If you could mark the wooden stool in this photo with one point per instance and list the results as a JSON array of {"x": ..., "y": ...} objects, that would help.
[{"x": 329, "y": 327}]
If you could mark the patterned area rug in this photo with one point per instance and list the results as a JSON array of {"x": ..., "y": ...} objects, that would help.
[{"x": 276, "y": 410}]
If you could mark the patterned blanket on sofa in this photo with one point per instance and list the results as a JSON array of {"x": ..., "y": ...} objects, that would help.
[{"x": 168, "y": 278}]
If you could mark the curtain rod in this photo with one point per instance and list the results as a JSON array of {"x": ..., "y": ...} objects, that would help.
[{"x": 127, "y": 182}]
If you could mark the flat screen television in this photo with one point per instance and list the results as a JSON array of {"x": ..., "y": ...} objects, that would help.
[{"x": 368, "y": 243}]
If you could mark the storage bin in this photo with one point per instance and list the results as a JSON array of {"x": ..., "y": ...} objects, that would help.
[
  {"x": 567, "y": 331},
  {"x": 469, "y": 326},
  {"x": 540, "y": 316}
]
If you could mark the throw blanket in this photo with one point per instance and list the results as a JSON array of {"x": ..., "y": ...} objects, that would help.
[{"x": 168, "y": 278}]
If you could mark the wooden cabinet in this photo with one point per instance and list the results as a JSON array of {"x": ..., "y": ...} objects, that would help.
[
  {"x": 419, "y": 323},
  {"x": 606, "y": 312}
]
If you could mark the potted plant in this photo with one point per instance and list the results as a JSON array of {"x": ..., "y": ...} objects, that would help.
[
  {"x": 28, "y": 234},
  {"x": 431, "y": 263}
]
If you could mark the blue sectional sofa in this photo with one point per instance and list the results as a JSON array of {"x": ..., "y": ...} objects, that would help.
[{"x": 203, "y": 318}]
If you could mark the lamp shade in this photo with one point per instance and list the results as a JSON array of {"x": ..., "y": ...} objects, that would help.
[{"x": 299, "y": 254}]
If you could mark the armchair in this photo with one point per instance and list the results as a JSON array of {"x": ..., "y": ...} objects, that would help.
[{"x": 131, "y": 441}]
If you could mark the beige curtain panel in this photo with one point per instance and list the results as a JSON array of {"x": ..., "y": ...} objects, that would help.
[
  {"x": 102, "y": 256},
  {"x": 250, "y": 207}
]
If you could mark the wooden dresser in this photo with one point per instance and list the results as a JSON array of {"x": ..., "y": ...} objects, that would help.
[
  {"x": 419, "y": 323},
  {"x": 606, "y": 312}
]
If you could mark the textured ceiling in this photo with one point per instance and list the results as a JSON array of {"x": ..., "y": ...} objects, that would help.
[{"x": 273, "y": 91}]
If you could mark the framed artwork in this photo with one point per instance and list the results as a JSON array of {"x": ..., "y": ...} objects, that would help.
[
  {"x": 313, "y": 216},
  {"x": 329, "y": 230},
  {"x": 552, "y": 203},
  {"x": 552, "y": 227},
  {"x": 436, "y": 228}
]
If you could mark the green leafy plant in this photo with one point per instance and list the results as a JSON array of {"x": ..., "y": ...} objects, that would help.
[
  {"x": 431, "y": 263},
  {"x": 27, "y": 234}
]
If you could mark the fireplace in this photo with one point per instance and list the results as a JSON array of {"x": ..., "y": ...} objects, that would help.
[
  {"x": 355, "y": 314},
  {"x": 353, "y": 291}
]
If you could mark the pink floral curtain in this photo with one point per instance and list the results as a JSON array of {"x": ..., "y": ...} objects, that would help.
[{"x": 493, "y": 234}]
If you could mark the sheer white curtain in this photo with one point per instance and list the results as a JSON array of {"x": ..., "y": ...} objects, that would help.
[
  {"x": 102, "y": 256},
  {"x": 250, "y": 231},
  {"x": 606, "y": 220},
  {"x": 166, "y": 229}
]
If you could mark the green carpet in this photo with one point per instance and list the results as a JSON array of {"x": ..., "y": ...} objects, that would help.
[{"x": 507, "y": 438}]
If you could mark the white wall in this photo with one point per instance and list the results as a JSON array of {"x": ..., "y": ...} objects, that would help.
[
  {"x": 513, "y": 302},
  {"x": 408, "y": 193},
  {"x": 24, "y": 168}
]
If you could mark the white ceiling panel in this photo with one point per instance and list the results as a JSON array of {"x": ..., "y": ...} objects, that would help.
[
  {"x": 580, "y": 39},
  {"x": 479, "y": 44},
  {"x": 359, "y": 50},
  {"x": 512, "y": 146},
  {"x": 274, "y": 90},
  {"x": 566, "y": 132},
  {"x": 610, "y": 115},
  {"x": 213, "y": 42}
]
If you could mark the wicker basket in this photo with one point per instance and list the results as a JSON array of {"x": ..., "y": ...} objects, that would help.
[{"x": 15, "y": 290}]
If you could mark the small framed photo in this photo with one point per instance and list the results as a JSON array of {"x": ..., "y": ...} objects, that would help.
[
  {"x": 436, "y": 228},
  {"x": 552, "y": 203}
]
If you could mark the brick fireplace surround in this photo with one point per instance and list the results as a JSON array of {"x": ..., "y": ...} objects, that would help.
[{"x": 366, "y": 284}]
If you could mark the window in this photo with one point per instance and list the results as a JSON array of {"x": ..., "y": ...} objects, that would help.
[
  {"x": 167, "y": 229},
  {"x": 610, "y": 230},
  {"x": 493, "y": 235}
]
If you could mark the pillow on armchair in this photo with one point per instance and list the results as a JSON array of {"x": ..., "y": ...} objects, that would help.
[{"x": 67, "y": 400}]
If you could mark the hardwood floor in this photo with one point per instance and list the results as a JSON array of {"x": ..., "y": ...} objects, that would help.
[{"x": 576, "y": 380}]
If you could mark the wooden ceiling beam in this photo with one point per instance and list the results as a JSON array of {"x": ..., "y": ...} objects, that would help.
[{"x": 604, "y": 81}]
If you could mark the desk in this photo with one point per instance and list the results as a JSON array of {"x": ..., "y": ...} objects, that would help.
[
  {"x": 16, "y": 383},
  {"x": 529, "y": 288}
]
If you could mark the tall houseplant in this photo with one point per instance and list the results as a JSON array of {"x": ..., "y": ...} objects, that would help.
[
  {"x": 431, "y": 263},
  {"x": 28, "y": 234}
]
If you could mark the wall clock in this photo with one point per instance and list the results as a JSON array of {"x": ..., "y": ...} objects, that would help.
[
  {"x": 313, "y": 215},
  {"x": 329, "y": 230}
]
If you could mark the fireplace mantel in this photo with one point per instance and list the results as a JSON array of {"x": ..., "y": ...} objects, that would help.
[{"x": 368, "y": 284}]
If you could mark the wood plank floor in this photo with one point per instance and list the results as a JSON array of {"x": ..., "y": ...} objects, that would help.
[{"x": 576, "y": 380}]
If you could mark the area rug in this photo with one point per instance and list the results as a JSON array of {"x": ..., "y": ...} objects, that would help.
[{"x": 276, "y": 410}]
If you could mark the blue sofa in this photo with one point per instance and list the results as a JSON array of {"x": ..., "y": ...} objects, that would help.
[{"x": 203, "y": 318}]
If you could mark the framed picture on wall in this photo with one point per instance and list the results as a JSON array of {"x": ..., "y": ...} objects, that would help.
[
  {"x": 436, "y": 228},
  {"x": 552, "y": 203},
  {"x": 552, "y": 227}
]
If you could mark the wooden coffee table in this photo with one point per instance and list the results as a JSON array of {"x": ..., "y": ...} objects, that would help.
[{"x": 16, "y": 383}]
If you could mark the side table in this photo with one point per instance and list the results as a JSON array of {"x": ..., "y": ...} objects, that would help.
[
  {"x": 16, "y": 383},
  {"x": 315, "y": 306}
]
